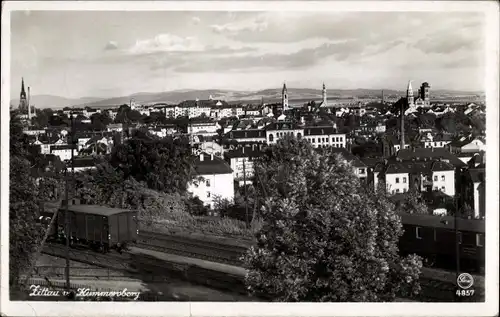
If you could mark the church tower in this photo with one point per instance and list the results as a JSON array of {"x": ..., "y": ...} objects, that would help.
[
  {"x": 284, "y": 98},
  {"x": 23, "y": 101},
  {"x": 324, "y": 95},
  {"x": 409, "y": 95}
]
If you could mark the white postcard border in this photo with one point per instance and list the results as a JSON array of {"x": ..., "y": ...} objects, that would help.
[{"x": 490, "y": 307}]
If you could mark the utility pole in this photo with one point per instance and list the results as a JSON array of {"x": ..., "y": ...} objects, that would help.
[
  {"x": 246, "y": 196},
  {"x": 67, "y": 215},
  {"x": 457, "y": 241}
]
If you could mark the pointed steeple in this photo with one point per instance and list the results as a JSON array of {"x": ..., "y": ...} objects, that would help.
[
  {"x": 284, "y": 87},
  {"x": 23, "y": 92},
  {"x": 409, "y": 90}
]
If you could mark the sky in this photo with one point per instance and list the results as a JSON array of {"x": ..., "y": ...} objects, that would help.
[{"x": 108, "y": 54}]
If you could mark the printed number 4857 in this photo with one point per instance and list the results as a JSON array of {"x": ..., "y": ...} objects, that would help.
[{"x": 465, "y": 292}]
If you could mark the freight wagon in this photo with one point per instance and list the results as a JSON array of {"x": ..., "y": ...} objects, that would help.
[
  {"x": 98, "y": 227},
  {"x": 433, "y": 237}
]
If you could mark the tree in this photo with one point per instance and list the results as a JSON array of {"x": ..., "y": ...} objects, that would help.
[
  {"x": 25, "y": 233},
  {"x": 164, "y": 164},
  {"x": 325, "y": 237},
  {"x": 414, "y": 203}
]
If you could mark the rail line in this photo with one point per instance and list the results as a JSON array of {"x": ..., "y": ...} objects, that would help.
[{"x": 203, "y": 250}]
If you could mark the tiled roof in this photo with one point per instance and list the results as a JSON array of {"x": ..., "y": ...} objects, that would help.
[
  {"x": 432, "y": 154},
  {"x": 250, "y": 133},
  {"x": 211, "y": 166},
  {"x": 325, "y": 130},
  {"x": 282, "y": 126}
]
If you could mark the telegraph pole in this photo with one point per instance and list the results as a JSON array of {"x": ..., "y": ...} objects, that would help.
[
  {"x": 246, "y": 196},
  {"x": 67, "y": 215}
]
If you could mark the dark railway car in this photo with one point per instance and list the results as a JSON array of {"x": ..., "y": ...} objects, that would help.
[
  {"x": 99, "y": 227},
  {"x": 433, "y": 238}
]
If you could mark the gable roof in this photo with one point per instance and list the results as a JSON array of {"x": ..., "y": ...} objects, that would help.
[
  {"x": 429, "y": 153},
  {"x": 211, "y": 165}
]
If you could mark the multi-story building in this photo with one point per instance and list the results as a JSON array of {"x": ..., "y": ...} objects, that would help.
[
  {"x": 63, "y": 151},
  {"x": 241, "y": 161},
  {"x": 324, "y": 136},
  {"x": 250, "y": 135},
  {"x": 214, "y": 180},
  {"x": 203, "y": 128},
  {"x": 278, "y": 130}
]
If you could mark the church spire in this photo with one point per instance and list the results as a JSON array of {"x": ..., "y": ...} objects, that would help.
[
  {"x": 23, "y": 92},
  {"x": 324, "y": 95}
]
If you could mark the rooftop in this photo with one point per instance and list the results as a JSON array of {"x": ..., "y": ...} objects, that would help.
[{"x": 211, "y": 165}]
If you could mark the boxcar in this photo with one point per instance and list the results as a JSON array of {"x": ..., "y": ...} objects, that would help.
[
  {"x": 99, "y": 227},
  {"x": 433, "y": 237}
]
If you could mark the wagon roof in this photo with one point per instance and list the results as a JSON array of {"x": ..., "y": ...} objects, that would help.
[{"x": 97, "y": 210}]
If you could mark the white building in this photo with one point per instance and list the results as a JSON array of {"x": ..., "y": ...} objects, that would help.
[
  {"x": 214, "y": 180},
  {"x": 63, "y": 151},
  {"x": 325, "y": 136},
  {"x": 209, "y": 127}
]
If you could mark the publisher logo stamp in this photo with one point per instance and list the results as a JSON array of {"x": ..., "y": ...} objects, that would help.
[{"x": 465, "y": 280}]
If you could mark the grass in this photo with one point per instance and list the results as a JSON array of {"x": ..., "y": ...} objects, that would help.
[{"x": 176, "y": 222}]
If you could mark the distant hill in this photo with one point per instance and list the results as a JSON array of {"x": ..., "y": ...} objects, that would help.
[
  {"x": 49, "y": 101},
  {"x": 173, "y": 97}
]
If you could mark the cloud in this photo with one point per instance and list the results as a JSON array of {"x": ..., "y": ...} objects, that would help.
[
  {"x": 111, "y": 45},
  {"x": 166, "y": 43},
  {"x": 196, "y": 20}
]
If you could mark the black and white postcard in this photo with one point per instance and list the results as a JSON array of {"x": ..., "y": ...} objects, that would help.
[{"x": 244, "y": 158}]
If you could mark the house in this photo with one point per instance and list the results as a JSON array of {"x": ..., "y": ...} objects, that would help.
[
  {"x": 278, "y": 130},
  {"x": 241, "y": 161},
  {"x": 114, "y": 127},
  {"x": 206, "y": 128},
  {"x": 214, "y": 180},
  {"x": 466, "y": 144},
  {"x": 430, "y": 140},
  {"x": 249, "y": 135},
  {"x": 424, "y": 176},
  {"x": 325, "y": 136},
  {"x": 63, "y": 151},
  {"x": 430, "y": 154}
]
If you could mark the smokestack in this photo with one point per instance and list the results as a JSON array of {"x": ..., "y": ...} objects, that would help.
[{"x": 29, "y": 105}]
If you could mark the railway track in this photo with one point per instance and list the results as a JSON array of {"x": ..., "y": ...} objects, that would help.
[{"x": 200, "y": 249}]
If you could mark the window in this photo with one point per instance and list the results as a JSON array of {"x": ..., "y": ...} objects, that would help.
[
  {"x": 208, "y": 194},
  {"x": 435, "y": 178},
  {"x": 271, "y": 138},
  {"x": 361, "y": 170},
  {"x": 397, "y": 190},
  {"x": 442, "y": 177},
  {"x": 442, "y": 188},
  {"x": 208, "y": 183},
  {"x": 397, "y": 180},
  {"x": 314, "y": 140},
  {"x": 404, "y": 180},
  {"x": 479, "y": 240},
  {"x": 418, "y": 233}
]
